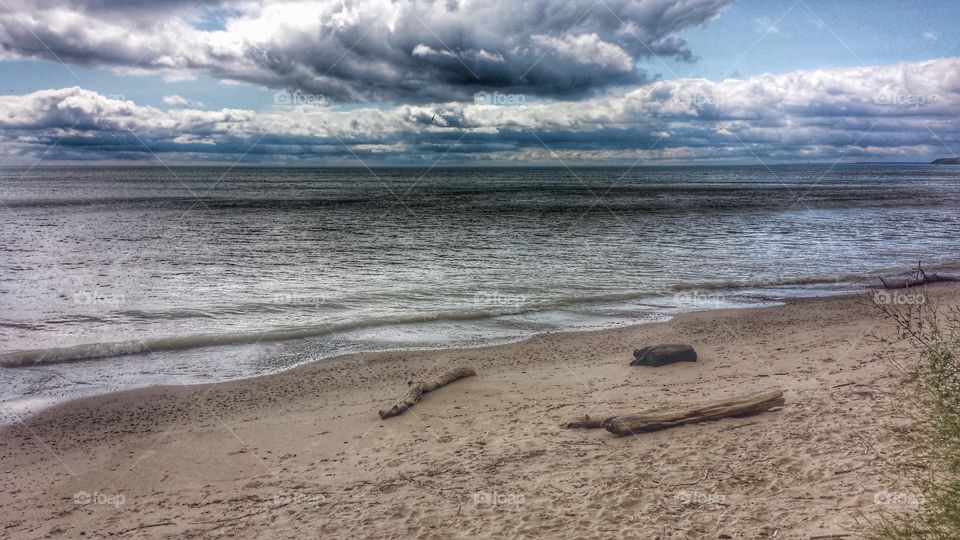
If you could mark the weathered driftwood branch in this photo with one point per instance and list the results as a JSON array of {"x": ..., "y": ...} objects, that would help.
[
  {"x": 657, "y": 419},
  {"x": 418, "y": 388},
  {"x": 594, "y": 422},
  {"x": 924, "y": 280},
  {"x": 919, "y": 278}
]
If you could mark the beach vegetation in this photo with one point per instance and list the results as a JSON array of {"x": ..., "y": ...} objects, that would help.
[{"x": 933, "y": 469}]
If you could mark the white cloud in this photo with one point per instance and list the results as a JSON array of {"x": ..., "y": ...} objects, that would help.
[
  {"x": 587, "y": 49},
  {"x": 907, "y": 109},
  {"x": 175, "y": 101}
]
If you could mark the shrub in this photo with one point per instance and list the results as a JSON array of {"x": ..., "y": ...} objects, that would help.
[{"x": 934, "y": 468}]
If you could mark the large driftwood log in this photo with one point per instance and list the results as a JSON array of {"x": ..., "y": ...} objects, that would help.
[
  {"x": 419, "y": 388},
  {"x": 657, "y": 419}
]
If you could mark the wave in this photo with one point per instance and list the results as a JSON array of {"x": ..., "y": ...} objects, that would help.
[
  {"x": 823, "y": 279},
  {"x": 92, "y": 351},
  {"x": 774, "y": 282}
]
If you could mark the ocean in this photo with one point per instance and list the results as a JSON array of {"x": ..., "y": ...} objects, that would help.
[{"x": 115, "y": 278}]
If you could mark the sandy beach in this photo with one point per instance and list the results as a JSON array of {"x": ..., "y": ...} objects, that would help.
[
  {"x": 349, "y": 269},
  {"x": 304, "y": 454}
]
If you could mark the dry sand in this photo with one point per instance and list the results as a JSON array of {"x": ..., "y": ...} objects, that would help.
[{"x": 303, "y": 454}]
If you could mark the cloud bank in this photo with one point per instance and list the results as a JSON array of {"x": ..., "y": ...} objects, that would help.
[
  {"x": 893, "y": 112},
  {"x": 401, "y": 51}
]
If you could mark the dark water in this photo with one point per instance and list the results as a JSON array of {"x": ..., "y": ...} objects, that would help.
[{"x": 132, "y": 276}]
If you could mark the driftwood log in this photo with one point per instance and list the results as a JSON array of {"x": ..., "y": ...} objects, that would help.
[
  {"x": 657, "y": 419},
  {"x": 419, "y": 388},
  {"x": 661, "y": 355}
]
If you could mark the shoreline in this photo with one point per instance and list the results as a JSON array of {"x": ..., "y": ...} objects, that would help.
[
  {"x": 761, "y": 302},
  {"x": 743, "y": 294},
  {"x": 42, "y": 402},
  {"x": 479, "y": 343},
  {"x": 852, "y": 283},
  {"x": 311, "y": 435}
]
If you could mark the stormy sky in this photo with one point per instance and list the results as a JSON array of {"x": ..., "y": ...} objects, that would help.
[{"x": 477, "y": 82}]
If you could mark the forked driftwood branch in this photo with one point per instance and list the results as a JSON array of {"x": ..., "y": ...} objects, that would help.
[
  {"x": 919, "y": 278},
  {"x": 419, "y": 388},
  {"x": 654, "y": 420}
]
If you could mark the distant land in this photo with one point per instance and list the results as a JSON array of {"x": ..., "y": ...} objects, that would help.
[{"x": 947, "y": 161}]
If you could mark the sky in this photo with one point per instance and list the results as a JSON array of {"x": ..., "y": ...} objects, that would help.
[{"x": 372, "y": 82}]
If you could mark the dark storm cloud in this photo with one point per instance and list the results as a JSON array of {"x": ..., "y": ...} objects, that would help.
[{"x": 390, "y": 50}]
